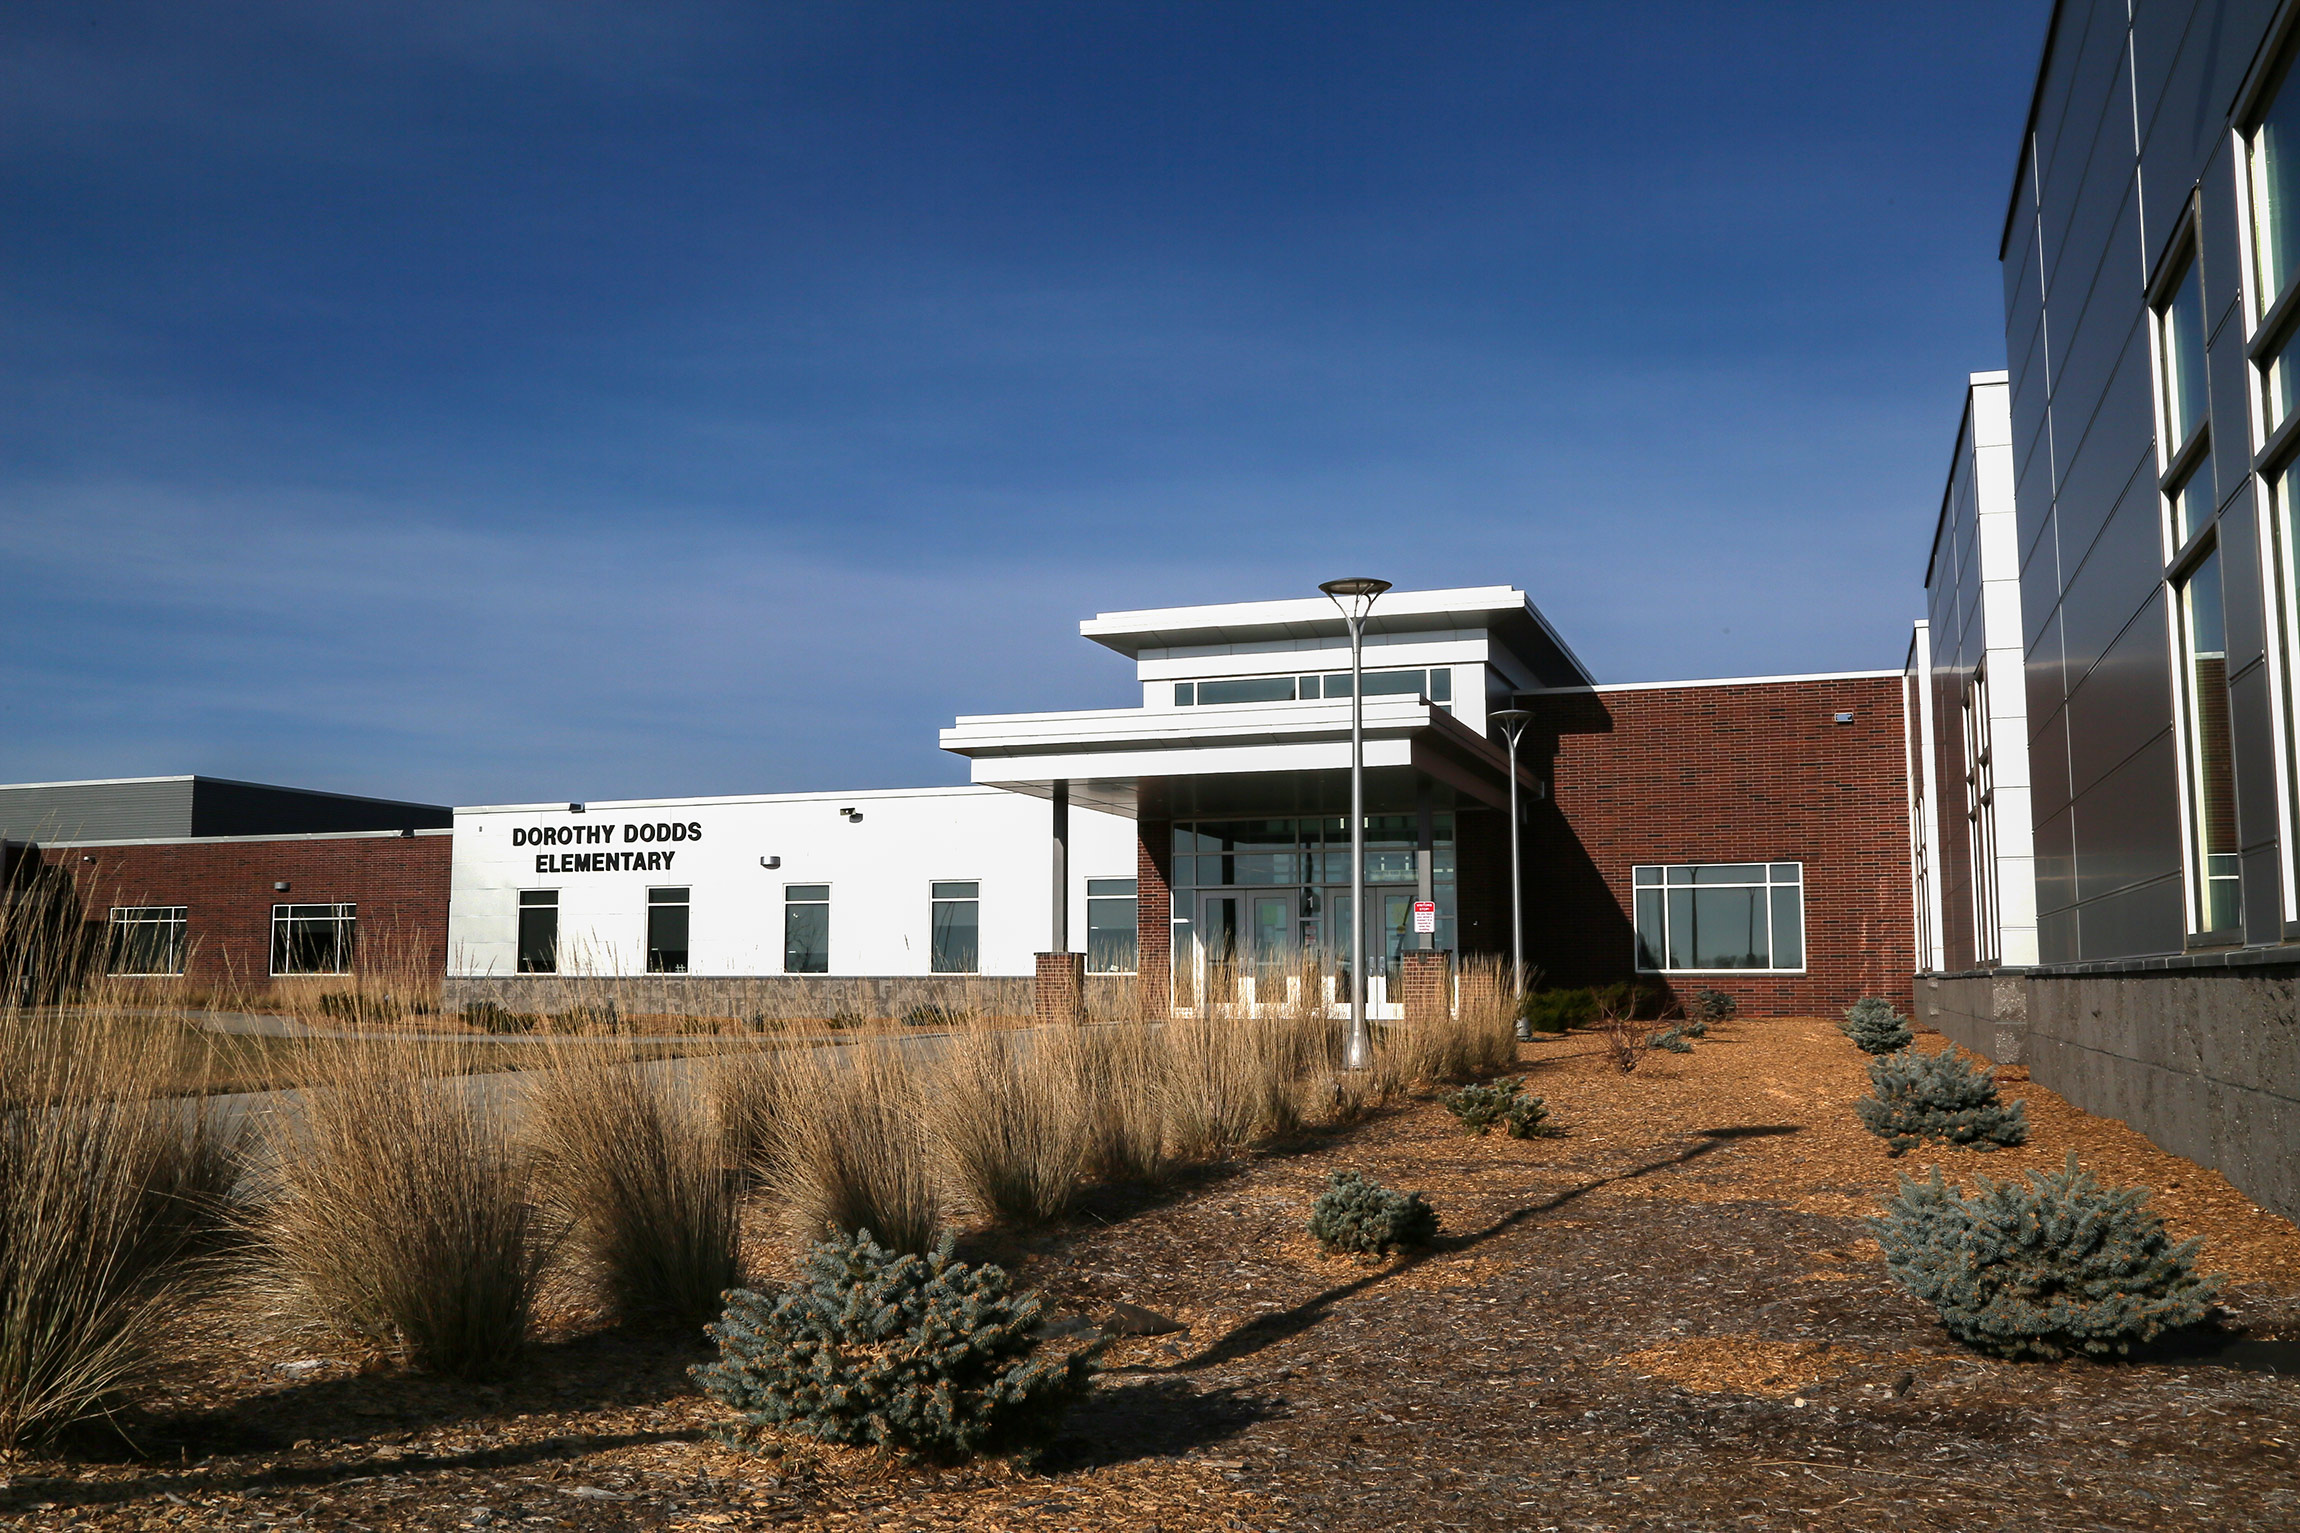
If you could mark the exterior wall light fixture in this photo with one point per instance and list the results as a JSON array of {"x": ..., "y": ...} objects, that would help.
[
  {"x": 281, "y": 887},
  {"x": 574, "y": 808},
  {"x": 1844, "y": 718}
]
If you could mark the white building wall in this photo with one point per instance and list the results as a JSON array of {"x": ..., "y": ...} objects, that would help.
[
  {"x": 1999, "y": 545},
  {"x": 879, "y": 868}
]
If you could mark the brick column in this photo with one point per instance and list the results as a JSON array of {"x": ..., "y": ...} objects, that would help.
[
  {"x": 1059, "y": 996},
  {"x": 1154, "y": 917},
  {"x": 1423, "y": 982}
]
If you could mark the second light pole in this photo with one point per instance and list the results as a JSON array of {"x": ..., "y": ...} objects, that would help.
[
  {"x": 1512, "y": 722},
  {"x": 1356, "y": 599}
]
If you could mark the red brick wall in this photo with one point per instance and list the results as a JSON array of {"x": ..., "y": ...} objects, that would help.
[
  {"x": 1754, "y": 772},
  {"x": 400, "y": 884}
]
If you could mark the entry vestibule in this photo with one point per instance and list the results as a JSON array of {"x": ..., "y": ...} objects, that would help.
[{"x": 1260, "y": 903}]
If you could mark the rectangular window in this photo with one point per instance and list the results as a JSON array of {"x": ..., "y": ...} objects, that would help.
[
  {"x": 1717, "y": 916},
  {"x": 2180, "y": 349},
  {"x": 312, "y": 939},
  {"x": 146, "y": 939},
  {"x": 538, "y": 931},
  {"x": 2272, "y": 154},
  {"x": 1981, "y": 817},
  {"x": 957, "y": 929},
  {"x": 806, "y": 928},
  {"x": 667, "y": 911},
  {"x": 1247, "y": 689},
  {"x": 1110, "y": 918},
  {"x": 2216, "y": 888},
  {"x": 1435, "y": 684},
  {"x": 2191, "y": 505}
]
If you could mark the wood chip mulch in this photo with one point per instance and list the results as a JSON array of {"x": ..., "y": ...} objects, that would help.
[{"x": 1670, "y": 1317}]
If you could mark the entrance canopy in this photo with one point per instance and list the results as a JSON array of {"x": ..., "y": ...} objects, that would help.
[{"x": 1275, "y": 758}]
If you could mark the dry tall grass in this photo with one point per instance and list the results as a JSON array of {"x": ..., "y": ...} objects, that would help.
[
  {"x": 635, "y": 1168},
  {"x": 106, "y": 1188},
  {"x": 854, "y": 1149},
  {"x": 1014, "y": 1120},
  {"x": 401, "y": 1214},
  {"x": 1115, "y": 1077}
]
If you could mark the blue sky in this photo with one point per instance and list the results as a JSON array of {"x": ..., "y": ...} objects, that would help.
[{"x": 484, "y": 401}]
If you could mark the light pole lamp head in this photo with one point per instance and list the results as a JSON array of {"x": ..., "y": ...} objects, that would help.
[
  {"x": 1511, "y": 720},
  {"x": 1354, "y": 596}
]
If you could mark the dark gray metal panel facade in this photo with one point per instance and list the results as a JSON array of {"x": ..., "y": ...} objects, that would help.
[
  {"x": 2131, "y": 127},
  {"x": 221, "y": 808},
  {"x": 154, "y": 808}
]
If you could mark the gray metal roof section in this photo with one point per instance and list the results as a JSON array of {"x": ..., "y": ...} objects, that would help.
[{"x": 177, "y": 808}]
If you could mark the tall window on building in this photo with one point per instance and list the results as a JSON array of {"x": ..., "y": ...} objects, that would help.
[
  {"x": 1110, "y": 916},
  {"x": 1713, "y": 916},
  {"x": 538, "y": 931},
  {"x": 2272, "y": 187},
  {"x": 145, "y": 939},
  {"x": 2216, "y": 889},
  {"x": 313, "y": 939},
  {"x": 806, "y": 928},
  {"x": 1981, "y": 816},
  {"x": 956, "y": 946},
  {"x": 2272, "y": 156},
  {"x": 667, "y": 931}
]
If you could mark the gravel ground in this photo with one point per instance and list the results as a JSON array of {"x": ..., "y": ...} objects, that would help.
[{"x": 1672, "y": 1317}]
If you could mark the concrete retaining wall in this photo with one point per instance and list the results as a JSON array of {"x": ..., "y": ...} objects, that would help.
[
  {"x": 1986, "y": 1013},
  {"x": 2206, "y": 1064},
  {"x": 782, "y": 995}
]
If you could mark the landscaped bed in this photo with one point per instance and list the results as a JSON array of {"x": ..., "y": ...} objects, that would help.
[{"x": 1671, "y": 1316}]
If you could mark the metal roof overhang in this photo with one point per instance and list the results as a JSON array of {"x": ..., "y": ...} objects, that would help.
[{"x": 1260, "y": 758}]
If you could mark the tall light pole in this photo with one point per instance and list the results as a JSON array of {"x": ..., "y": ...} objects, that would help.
[
  {"x": 1356, "y": 599},
  {"x": 1513, "y": 722}
]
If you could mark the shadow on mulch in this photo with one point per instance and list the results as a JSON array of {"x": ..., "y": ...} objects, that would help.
[
  {"x": 1157, "y": 1418},
  {"x": 1267, "y": 1330},
  {"x": 2214, "y": 1348},
  {"x": 76, "y": 1493},
  {"x": 620, "y": 1368}
]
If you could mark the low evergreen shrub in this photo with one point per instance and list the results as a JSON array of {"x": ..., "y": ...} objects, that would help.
[
  {"x": 1708, "y": 1008},
  {"x": 1670, "y": 1040},
  {"x": 2054, "y": 1266},
  {"x": 1504, "y": 1102},
  {"x": 1939, "y": 1096},
  {"x": 1875, "y": 1027},
  {"x": 495, "y": 1017},
  {"x": 1359, "y": 1216},
  {"x": 1557, "y": 1011},
  {"x": 925, "y": 1356},
  {"x": 935, "y": 1014}
]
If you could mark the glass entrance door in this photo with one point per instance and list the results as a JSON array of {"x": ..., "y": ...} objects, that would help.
[{"x": 1249, "y": 945}]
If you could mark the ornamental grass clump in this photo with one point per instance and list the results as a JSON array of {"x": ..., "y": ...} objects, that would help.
[
  {"x": 637, "y": 1172},
  {"x": 401, "y": 1214},
  {"x": 2055, "y": 1266},
  {"x": 1502, "y": 1103},
  {"x": 1940, "y": 1096},
  {"x": 1358, "y": 1216},
  {"x": 1875, "y": 1027},
  {"x": 926, "y": 1356},
  {"x": 110, "y": 1191}
]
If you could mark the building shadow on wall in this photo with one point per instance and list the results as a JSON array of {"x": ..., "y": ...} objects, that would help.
[{"x": 1578, "y": 931}]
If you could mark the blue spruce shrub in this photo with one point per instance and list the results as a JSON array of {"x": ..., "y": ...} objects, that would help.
[
  {"x": 1875, "y": 1027},
  {"x": 1706, "y": 1009},
  {"x": 2051, "y": 1267},
  {"x": 1504, "y": 1103},
  {"x": 1670, "y": 1040},
  {"x": 1940, "y": 1096},
  {"x": 923, "y": 1355},
  {"x": 1359, "y": 1216}
]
